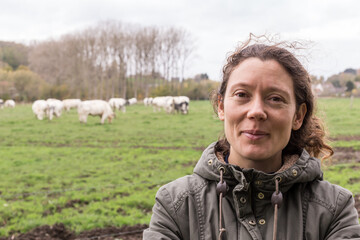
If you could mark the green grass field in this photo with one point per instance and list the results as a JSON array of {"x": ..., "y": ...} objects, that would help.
[{"x": 92, "y": 175}]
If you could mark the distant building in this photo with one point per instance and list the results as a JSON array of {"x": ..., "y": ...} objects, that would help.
[
  {"x": 331, "y": 90},
  {"x": 317, "y": 89},
  {"x": 357, "y": 85},
  {"x": 202, "y": 76}
]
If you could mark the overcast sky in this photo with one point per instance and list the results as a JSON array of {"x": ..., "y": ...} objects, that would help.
[{"x": 216, "y": 25}]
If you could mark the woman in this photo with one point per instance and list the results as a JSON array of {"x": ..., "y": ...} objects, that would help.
[{"x": 263, "y": 179}]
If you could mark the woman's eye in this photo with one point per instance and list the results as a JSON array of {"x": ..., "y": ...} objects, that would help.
[
  {"x": 241, "y": 94},
  {"x": 276, "y": 99}
]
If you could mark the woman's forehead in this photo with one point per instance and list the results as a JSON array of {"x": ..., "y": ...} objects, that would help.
[{"x": 254, "y": 72}]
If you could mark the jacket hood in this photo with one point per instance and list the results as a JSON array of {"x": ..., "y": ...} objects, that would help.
[{"x": 304, "y": 169}]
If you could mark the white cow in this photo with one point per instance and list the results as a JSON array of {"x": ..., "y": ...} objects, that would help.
[
  {"x": 1, "y": 103},
  {"x": 71, "y": 103},
  {"x": 55, "y": 107},
  {"x": 118, "y": 103},
  {"x": 95, "y": 108},
  {"x": 132, "y": 101},
  {"x": 181, "y": 104},
  {"x": 40, "y": 109},
  {"x": 148, "y": 101},
  {"x": 9, "y": 103},
  {"x": 166, "y": 102}
]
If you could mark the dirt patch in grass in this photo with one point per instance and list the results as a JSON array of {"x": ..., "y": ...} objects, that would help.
[
  {"x": 121, "y": 194},
  {"x": 69, "y": 204},
  {"x": 354, "y": 180},
  {"x": 346, "y": 138},
  {"x": 73, "y": 203},
  {"x": 60, "y": 232},
  {"x": 57, "y": 231},
  {"x": 357, "y": 203},
  {"x": 355, "y": 167},
  {"x": 190, "y": 164},
  {"x": 169, "y": 147},
  {"x": 345, "y": 155},
  {"x": 112, "y": 233}
]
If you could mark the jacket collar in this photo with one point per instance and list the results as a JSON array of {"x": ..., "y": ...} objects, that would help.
[{"x": 300, "y": 169}]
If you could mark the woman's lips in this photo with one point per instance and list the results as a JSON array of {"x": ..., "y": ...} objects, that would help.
[{"x": 254, "y": 134}]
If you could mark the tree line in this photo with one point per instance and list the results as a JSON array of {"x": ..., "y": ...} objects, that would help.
[
  {"x": 345, "y": 83},
  {"x": 111, "y": 59}
]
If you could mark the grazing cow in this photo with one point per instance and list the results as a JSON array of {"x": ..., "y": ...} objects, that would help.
[
  {"x": 71, "y": 103},
  {"x": 181, "y": 104},
  {"x": 118, "y": 103},
  {"x": 9, "y": 103},
  {"x": 132, "y": 101},
  {"x": 55, "y": 107},
  {"x": 1, "y": 103},
  {"x": 95, "y": 108},
  {"x": 40, "y": 109},
  {"x": 166, "y": 102},
  {"x": 148, "y": 101}
]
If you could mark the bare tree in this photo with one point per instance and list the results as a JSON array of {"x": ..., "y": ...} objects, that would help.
[
  {"x": 111, "y": 58},
  {"x": 186, "y": 48}
]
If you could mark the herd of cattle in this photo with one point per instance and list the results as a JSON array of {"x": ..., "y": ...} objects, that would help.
[
  {"x": 8, "y": 103},
  {"x": 106, "y": 109}
]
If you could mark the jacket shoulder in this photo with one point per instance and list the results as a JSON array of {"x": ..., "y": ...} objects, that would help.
[
  {"x": 177, "y": 191},
  {"x": 330, "y": 196},
  {"x": 340, "y": 220}
]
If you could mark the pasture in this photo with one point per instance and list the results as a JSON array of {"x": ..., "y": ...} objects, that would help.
[{"x": 91, "y": 175}]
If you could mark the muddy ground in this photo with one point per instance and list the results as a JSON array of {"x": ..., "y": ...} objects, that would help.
[{"x": 60, "y": 232}]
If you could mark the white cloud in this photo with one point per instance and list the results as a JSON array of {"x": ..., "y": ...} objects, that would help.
[{"x": 217, "y": 25}]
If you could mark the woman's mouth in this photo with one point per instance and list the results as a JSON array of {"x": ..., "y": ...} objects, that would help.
[{"x": 254, "y": 134}]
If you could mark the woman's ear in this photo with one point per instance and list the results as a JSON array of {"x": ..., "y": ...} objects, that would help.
[
  {"x": 299, "y": 117},
  {"x": 220, "y": 108}
]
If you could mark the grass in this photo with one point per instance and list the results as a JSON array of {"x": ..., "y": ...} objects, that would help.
[
  {"x": 340, "y": 119},
  {"x": 345, "y": 175},
  {"x": 92, "y": 175}
]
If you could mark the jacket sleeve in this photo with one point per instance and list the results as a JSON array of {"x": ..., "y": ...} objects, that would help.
[
  {"x": 345, "y": 224},
  {"x": 162, "y": 224}
]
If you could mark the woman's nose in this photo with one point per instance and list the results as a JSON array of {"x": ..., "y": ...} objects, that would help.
[{"x": 256, "y": 110}]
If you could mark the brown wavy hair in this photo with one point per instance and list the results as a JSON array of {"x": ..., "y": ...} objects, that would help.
[{"x": 311, "y": 135}]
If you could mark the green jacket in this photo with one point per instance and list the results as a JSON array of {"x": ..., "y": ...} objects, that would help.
[{"x": 188, "y": 208}]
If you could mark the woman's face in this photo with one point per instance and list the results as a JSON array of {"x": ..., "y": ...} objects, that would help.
[{"x": 259, "y": 112}]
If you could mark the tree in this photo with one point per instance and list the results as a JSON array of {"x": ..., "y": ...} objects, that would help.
[
  {"x": 350, "y": 71},
  {"x": 340, "y": 80},
  {"x": 350, "y": 86},
  {"x": 28, "y": 84},
  {"x": 13, "y": 54},
  {"x": 112, "y": 59}
]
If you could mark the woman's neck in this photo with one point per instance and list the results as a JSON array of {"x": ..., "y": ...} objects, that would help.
[{"x": 269, "y": 165}]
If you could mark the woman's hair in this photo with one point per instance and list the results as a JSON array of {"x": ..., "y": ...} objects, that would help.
[{"x": 311, "y": 134}]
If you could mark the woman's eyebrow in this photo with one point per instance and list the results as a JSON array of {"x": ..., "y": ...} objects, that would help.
[
  {"x": 268, "y": 89},
  {"x": 277, "y": 89},
  {"x": 241, "y": 84}
]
